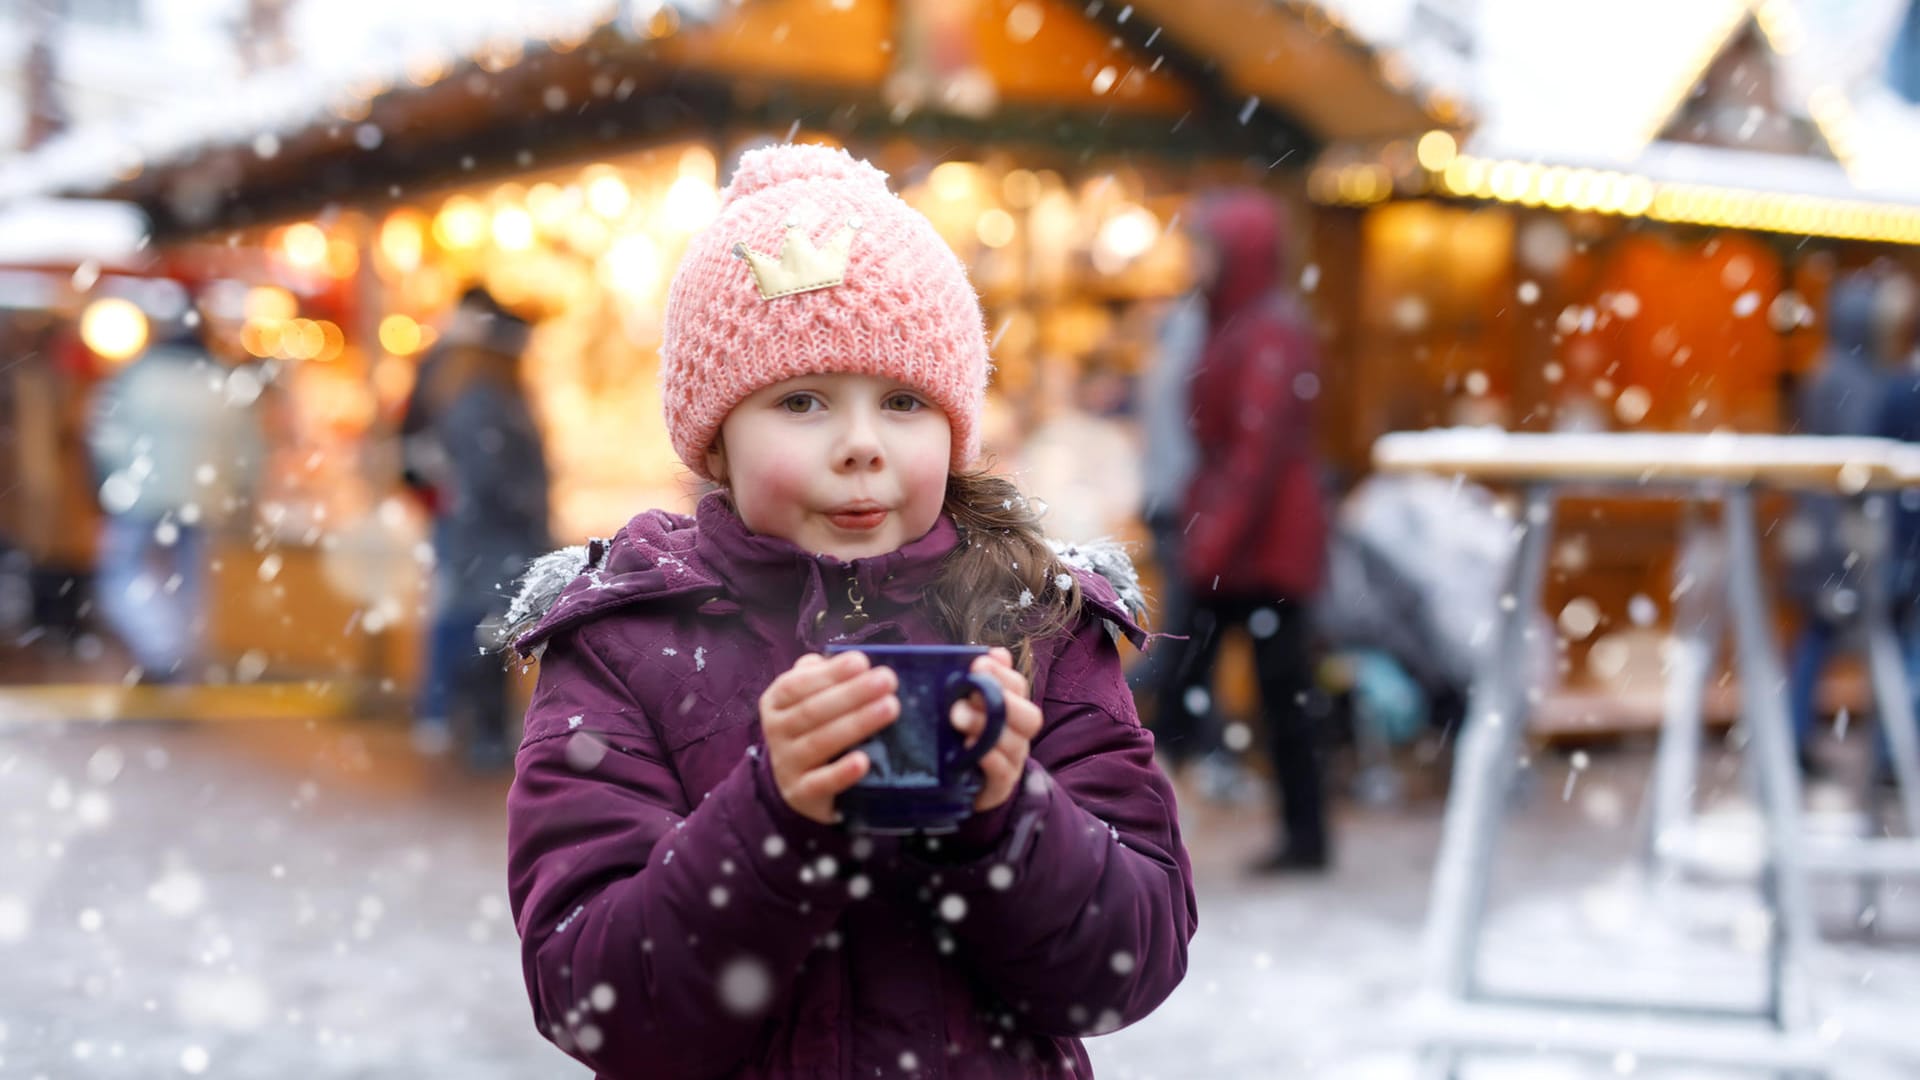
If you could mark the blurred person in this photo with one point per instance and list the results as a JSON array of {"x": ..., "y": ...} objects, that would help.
[
  {"x": 176, "y": 455},
  {"x": 1183, "y": 725},
  {"x": 1900, "y": 419},
  {"x": 674, "y": 827},
  {"x": 477, "y": 446},
  {"x": 1843, "y": 396},
  {"x": 1255, "y": 524},
  {"x": 476, "y": 319}
]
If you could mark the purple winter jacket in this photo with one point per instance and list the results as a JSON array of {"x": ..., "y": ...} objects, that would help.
[{"x": 678, "y": 919}]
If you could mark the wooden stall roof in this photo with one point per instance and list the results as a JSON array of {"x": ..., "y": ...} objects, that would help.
[
  {"x": 1299, "y": 58},
  {"x": 1265, "y": 80}
]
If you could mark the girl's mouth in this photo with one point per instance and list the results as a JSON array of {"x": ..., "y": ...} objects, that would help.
[{"x": 858, "y": 519}]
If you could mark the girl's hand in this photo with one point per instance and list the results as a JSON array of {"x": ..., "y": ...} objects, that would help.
[
  {"x": 812, "y": 715},
  {"x": 1008, "y": 760}
]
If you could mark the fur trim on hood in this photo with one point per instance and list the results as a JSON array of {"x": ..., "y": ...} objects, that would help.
[
  {"x": 1107, "y": 559},
  {"x": 547, "y": 577},
  {"x": 540, "y": 587}
]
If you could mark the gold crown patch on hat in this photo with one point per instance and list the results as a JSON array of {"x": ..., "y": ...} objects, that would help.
[{"x": 801, "y": 266}]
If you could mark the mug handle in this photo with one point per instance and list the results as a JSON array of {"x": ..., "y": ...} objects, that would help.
[{"x": 961, "y": 687}]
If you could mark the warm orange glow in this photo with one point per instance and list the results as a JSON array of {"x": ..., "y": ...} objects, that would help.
[
  {"x": 512, "y": 229},
  {"x": 461, "y": 224},
  {"x": 305, "y": 245},
  {"x": 995, "y": 228},
  {"x": 342, "y": 258},
  {"x": 1436, "y": 150},
  {"x": 400, "y": 335},
  {"x": 116, "y": 329},
  {"x": 261, "y": 339},
  {"x": 270, "y": 303},
  {"x": 393, "y": 379},
  {"x": 333, "y": 341},
  {"x": 403, "y": 240}
]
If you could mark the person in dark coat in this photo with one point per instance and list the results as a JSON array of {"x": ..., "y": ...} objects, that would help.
[
  {"x": 1256, "y": 544},
  {"x": 1167, "y": 460},
  {"x": 1843, "y": 397},
  {"x": 477, "y": 320},
  {"x": 490, "y": 479},
  {"x": 688, "y": 901},
  {"x": 1900, "y": 419}
]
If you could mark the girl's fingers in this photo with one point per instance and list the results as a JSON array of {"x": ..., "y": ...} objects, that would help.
[
  {"x": 968, "y": 719},
  {"x": 832, "y": 778},
  {"x": 1002, "y": 774},
  {"x": 1024, "y": 718},
  {"x": 840, "y": 698},
  {"x": 827, "y": 741},
  {"x": 1003, "y": 672},
  {"x": 1011, "y": 747},
  {"x": 810, "y": 675}
]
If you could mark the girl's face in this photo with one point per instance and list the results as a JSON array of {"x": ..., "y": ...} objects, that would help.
[{"x": 842, "y": 465}]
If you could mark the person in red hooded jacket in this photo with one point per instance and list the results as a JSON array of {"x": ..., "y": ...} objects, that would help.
[{"x": 1256, "y": 524}]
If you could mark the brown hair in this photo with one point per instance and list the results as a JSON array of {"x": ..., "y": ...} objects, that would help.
[{"x": 1002, "y": 585}]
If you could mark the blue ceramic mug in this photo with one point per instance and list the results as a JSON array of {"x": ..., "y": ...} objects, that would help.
[{"x": 923, "y": 777}]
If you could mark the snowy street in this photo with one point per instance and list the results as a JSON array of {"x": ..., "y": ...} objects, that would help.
[{"x": 268, "y": 899}]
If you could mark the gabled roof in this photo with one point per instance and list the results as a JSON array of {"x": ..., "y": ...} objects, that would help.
[{"x": 1600, "y": 85}]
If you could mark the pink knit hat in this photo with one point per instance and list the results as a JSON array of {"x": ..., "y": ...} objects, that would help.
[{"x": 814, "y": 266}]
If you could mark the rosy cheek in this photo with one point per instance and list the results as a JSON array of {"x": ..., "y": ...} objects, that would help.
[
  {"x": 925, "y": 481},
  {"x": 769, "y": 491}
]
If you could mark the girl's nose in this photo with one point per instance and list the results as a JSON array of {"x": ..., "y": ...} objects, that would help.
[{"x": 860, "y": 450}]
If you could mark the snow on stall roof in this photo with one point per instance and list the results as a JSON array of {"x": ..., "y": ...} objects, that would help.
[
  {"x": 1583, "y": 81},
  {"x": 71, "y": 231},
  {"x": 349, "y": 49},
  {"x": 1589, "y": 84},
  {"x": 1420, "y": 32}
]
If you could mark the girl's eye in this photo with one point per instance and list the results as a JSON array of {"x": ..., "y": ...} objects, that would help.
[
  {"x": 799, "y": 403},
  {"x": 903, "y": 403}
]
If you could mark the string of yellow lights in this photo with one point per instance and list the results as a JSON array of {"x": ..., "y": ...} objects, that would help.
[{"x": 1605, "y": 191}]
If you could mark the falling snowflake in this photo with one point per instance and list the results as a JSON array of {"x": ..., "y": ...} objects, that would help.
[{"x": 745, "y": 986}]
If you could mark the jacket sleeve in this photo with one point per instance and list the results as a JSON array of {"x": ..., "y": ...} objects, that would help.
[
  {"x": 1075, "y": 898},
  {"x": 656, "y": 939},
  {"x": 1252, "y": 421}
]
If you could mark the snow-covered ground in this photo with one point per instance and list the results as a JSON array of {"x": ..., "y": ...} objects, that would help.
[{"x": 273, "y": 900}]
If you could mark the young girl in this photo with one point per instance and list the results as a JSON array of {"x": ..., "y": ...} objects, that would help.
[{"x": 687, "y": 904}]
